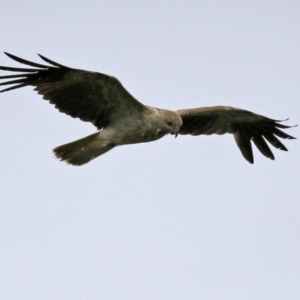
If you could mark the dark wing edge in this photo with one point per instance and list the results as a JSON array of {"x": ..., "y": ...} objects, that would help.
[
  {"x": 27, "y": 76},
  {"x": 244, "y": 125}
]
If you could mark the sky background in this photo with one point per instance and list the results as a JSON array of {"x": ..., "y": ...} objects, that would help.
[{"x": 184, "y": 218}]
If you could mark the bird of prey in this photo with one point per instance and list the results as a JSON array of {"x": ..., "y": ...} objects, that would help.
[{"x": 121, "y": 119}]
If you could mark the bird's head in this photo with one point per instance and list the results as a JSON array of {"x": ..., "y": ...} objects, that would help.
[{"x": 172, "y": 122}]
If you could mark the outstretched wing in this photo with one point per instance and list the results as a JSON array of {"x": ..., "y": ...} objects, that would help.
[
  {"x": 244, "y": 125},
  {"x": 89, "y": 96}
]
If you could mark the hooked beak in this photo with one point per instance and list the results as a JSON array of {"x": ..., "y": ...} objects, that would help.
[{"x": 176, "y": 131}]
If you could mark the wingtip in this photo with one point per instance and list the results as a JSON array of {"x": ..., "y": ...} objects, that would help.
[
  {"x": 282, "y": 120},
  {"x": 8, "y": 54},
  {"x": 51, "y": 62},
  {"x": 43, "y": 57},
  {"x": 14, "y": 57},
  {"x": 40, "y": 55},
  {"x": 249, "y": 159}
]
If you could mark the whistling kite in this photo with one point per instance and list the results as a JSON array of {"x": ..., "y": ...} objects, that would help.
[{"x": 121, "y": 119}]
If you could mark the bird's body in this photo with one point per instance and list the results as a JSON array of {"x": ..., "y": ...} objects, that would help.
[
  {"x": 121, "y": 119},
  {"x": 120, "y": 132}
]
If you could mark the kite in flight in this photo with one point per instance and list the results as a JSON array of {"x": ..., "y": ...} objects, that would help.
[{"x": 121, "y": 119}]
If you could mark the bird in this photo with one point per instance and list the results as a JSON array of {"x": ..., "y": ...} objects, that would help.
[{"x": 121, "y": 119}]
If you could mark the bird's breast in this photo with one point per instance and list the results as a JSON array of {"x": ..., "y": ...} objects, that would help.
[{"x": 132, "y": 132}]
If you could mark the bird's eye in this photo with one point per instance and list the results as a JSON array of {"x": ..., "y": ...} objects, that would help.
[{"x": 169, "y": 123}]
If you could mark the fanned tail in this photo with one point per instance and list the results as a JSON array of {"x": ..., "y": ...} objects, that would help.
[{"x": 82, "y": 151}]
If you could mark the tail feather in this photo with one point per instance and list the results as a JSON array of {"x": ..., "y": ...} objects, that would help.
[{"x": 82, "y": 151}]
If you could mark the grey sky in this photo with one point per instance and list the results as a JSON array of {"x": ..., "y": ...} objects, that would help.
[{"x": 184, "y": 218}]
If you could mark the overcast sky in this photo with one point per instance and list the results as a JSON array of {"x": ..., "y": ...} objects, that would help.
[{"x": 184, "y": 218}]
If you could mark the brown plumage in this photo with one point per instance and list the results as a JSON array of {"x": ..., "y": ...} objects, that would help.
[{"x": 121, "y": 119}]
